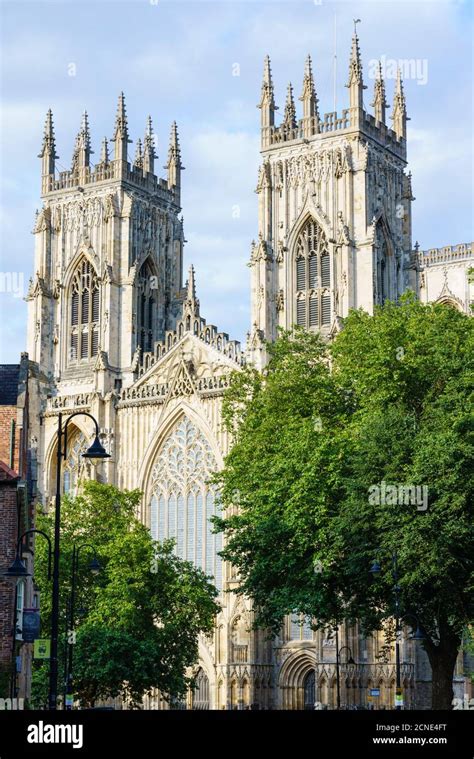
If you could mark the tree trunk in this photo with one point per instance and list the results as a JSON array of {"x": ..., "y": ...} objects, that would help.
[{"x": 443, "y": 661}]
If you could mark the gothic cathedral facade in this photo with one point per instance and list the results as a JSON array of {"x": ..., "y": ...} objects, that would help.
[{"x": 114, "y": 332}]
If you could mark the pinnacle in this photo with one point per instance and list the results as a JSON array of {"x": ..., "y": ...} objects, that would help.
[
  {"x": 355, "y": 64},
  {"x": 148, "y": 143},
  {"x": 174, "y": 149},
  {"x": 49, "y": 144},
  {"x": 267, "y": 95},
  {"x": 121, "y": 126},
  {"x": 138, "y": 154},
  {"x": 191, "y": 284},
  {"x": 104, "y": 152},
  {"x": 308, "y": 81},
  {"x": 267, "y": 71},
  {"x": 290, "y": 111}
]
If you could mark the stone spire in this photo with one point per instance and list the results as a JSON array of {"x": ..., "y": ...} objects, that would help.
[
  {"x": 120, "y": 137},
  {"x": 379, "y": 104},
  {"x": 399, "y": 114},
  {"x": 149, "y": 154},
  {"x": 310, "y": 102},
  {"x": 104, "y": 152},
  {"x": 138, "y": 162},
  {"x": 355, "y": 84},
  {"x": 191, "y": 284},
  {"x": 289, "y": 119},
  {"x": 191, "y": 303},
  {"x": 48, "y": 148},
  {"x": 267, "y": 98},
  {"x": 82, "y": 149},
  {"x": 174, "y": 164}
]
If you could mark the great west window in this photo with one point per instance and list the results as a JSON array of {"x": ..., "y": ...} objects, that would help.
[{"x": 183, "y": 501}]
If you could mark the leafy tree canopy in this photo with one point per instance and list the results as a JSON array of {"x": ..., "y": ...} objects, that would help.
[
  {"x": 323, "y": 442},
  {"x": 136, "y": 622}
]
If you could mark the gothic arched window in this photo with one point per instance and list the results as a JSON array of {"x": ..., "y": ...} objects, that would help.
[
  {"x": 182, "y": 500},
  {"x": 383, "y": 262},
  {"x": 313, "y": 277},
  {"x": 310, "y": 690},
  {"x": 201, "y": 690},
  {"x": 84, "y": 313},
  {"x": 146, "y": 308},
  {"x": 300, "y": 628},
  {"x": 75, "y": 466}
]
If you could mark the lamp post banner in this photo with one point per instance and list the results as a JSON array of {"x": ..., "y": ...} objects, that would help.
[{"x": 31, "y": 625}]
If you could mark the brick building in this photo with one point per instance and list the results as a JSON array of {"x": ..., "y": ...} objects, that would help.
[{"x": 17, "y": 490}]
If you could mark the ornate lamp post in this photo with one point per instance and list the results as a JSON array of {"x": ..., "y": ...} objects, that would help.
[
  {"x": 350, "y": 660},
  {"x": 375, "y": 570},
  {"x": 95, "y": 452}
]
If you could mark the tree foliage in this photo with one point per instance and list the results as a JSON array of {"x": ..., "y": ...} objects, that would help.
[
  {"x": 387, "y": 403},
  {"x": 136, "y": 622}
]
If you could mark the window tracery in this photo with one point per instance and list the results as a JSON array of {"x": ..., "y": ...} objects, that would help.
[
  {"x": 183, "y": 501},
  {"x": 313, "y": 277}
]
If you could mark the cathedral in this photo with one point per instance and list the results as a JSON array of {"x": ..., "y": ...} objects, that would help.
[{"x": 115, "y": 332}]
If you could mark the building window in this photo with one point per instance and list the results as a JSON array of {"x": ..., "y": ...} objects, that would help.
[
  {"x": 75, "y": 466},
  {"x": 84, "y": 313},
  {"x": 300, "y": 628},
  {"x": 313, "y": 278},
  {"x": 201, "y": 691},
  {"x": 310, "y": 690},
  {"x": 383, "y": 274},
  {"x": 182, "y": 500},
  {"x": 146, "y": 308},
  {"x": 20, "y": 604}
]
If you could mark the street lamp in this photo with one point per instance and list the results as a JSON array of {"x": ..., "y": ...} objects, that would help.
[
  {"x": 95, "y": 452},
  {"x": 349, "y": 661},
  {"x": 375, "y": 570},
  {"x": 18, "y": 568},
  {"x": 16, "y": 571},
  {"x": 94, "y": 568},
  {"x": 418, "y": 634}
]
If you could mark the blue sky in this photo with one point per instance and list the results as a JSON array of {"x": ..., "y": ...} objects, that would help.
[{"x": 176, "y": 60}]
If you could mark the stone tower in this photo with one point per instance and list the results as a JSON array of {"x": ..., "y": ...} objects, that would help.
[
  {"x": 334, "y": 208},
  {"x": 108, "y": 258}
]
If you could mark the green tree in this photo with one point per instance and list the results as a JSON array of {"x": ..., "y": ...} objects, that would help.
[
  {"x": 388, "y": 402},
  {"x": 137, "y": 621}
]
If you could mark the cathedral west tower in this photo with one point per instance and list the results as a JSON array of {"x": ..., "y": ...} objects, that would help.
[
  {"x": 108, "y": 257},
  {"x": 334, "y": 199}
]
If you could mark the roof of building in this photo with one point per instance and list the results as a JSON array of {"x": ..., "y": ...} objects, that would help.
[
  {"x": 6, "y": 473},
  {"x": 9, "y": 376}
]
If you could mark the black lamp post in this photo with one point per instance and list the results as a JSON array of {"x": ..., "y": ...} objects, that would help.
[
  {"x": 16, "y": 571},
  {"x": 94, "y": 567},
  {"x": 375, "y": 570},
  {"x": 350, "y": 660},
  {"x": 95, "y": 452}
]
